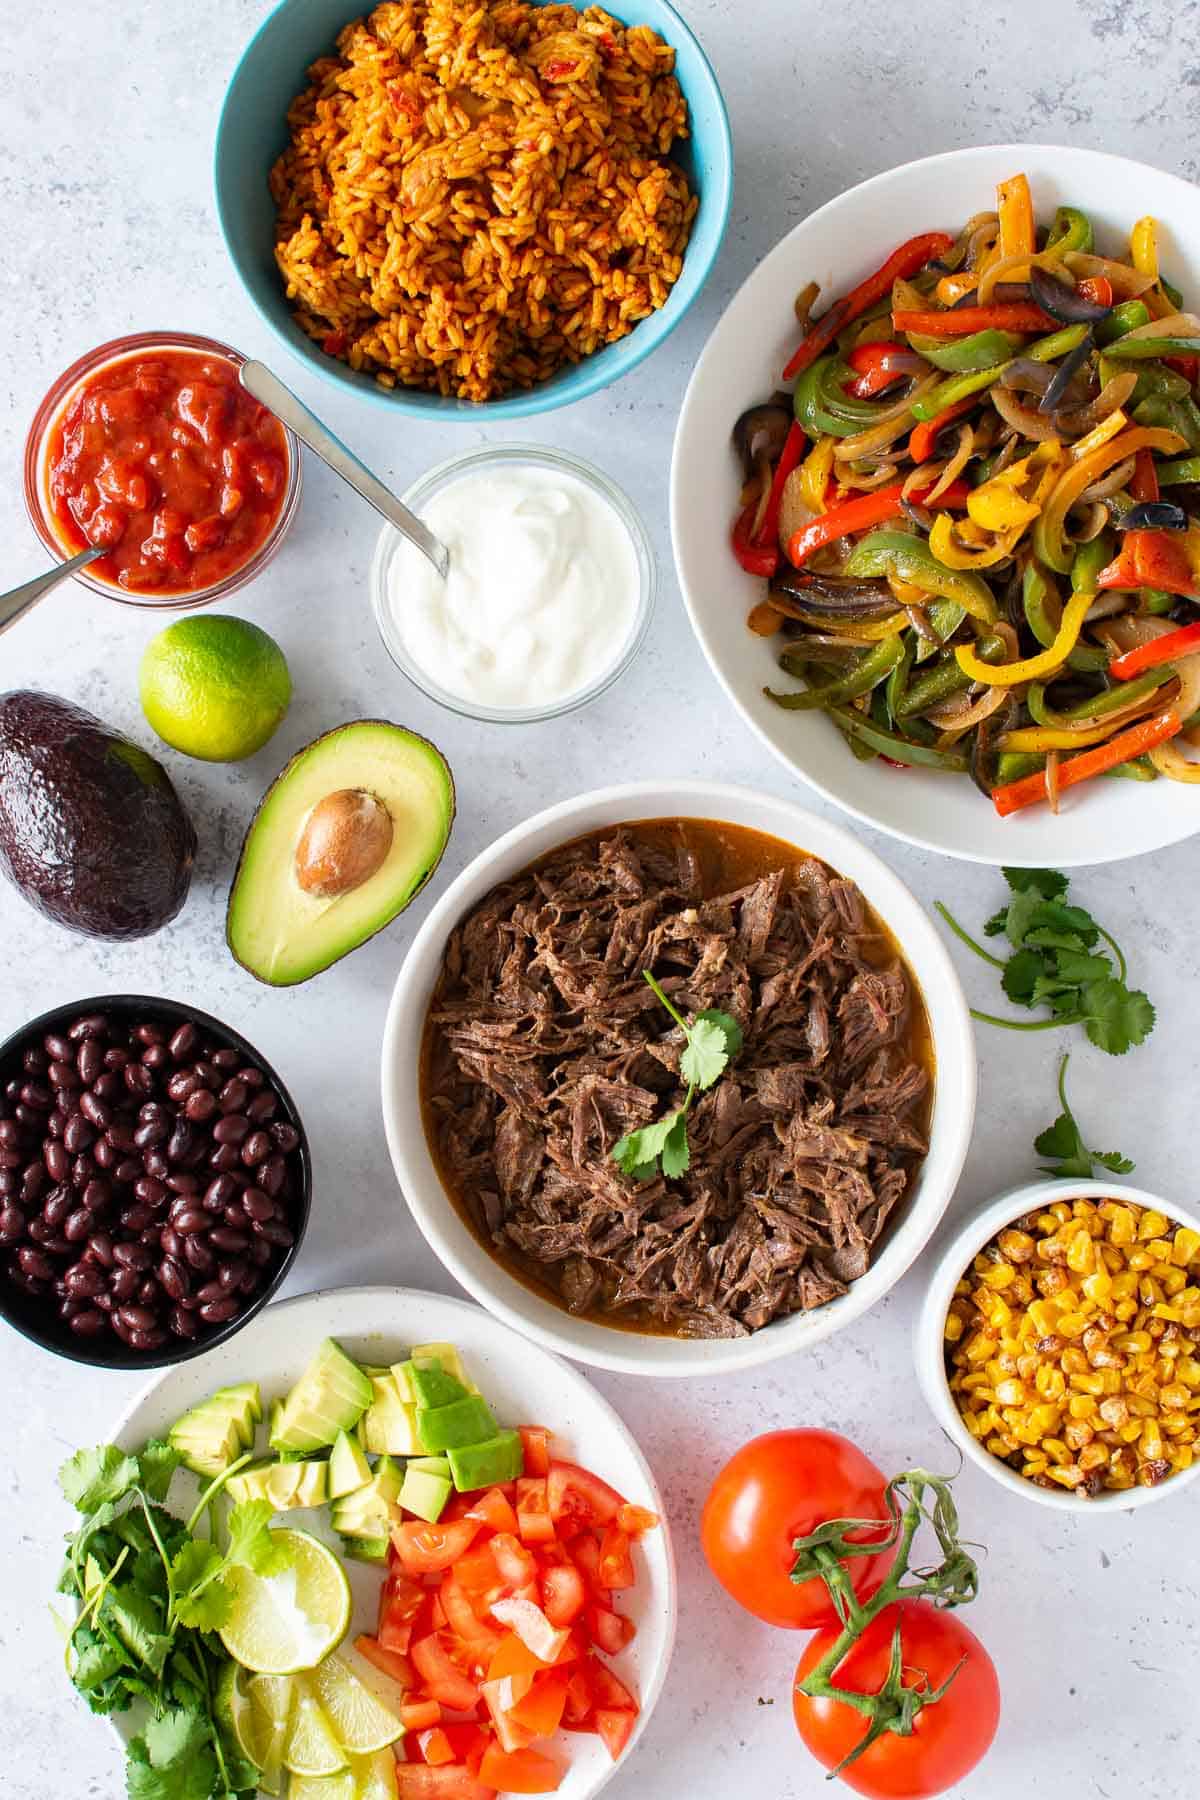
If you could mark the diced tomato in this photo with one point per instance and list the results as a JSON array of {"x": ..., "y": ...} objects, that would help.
[
  {"x": 493, "y": 1510},
  {"x": 512, "y": 1657},
  {"x": 434, "y": 1746},
  {"x": 616, "y": 1563},
  {"x": 478, "y": 1575},
  {"x": 498, "y": 1698},
  {"x": 441, "y": 1677},
  {"x": 615, "y": 1727},
  {"x": 610, "y": 1691},
  {"x": 453, "y": 1781},
  {"x": 563, "y": 1593},
  {"x": 584, "y": 1551},
  {"x": 580, "y": 1698},
  {"x": 533, "y": 1510},
  {"x": 532, "y": 1627},
  {"x": 541, "y": 1709},
  {"x": 535, "y": 1443},
  {"x": 636, "y": 1520},
  {"x": 437, "y": 1614},
  {"x": 514, "y": 1562},
  {"x": 479, "y": 1639},
  {"x": 400, "y": 1602},
  {"x": 468, "y": 1742},
  {"x": 419, "y": 1715},
  {"x": 520, "y": 1771},
  {"x": 578, "y": 1496},
  {"x": 427, "y": 1549},
  {"x": 386, "y": 1661},
  {"x": 609, "y": 1631}
]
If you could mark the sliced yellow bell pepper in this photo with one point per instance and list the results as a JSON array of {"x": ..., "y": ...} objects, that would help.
[
  {"x": 870, "y": 631},
  {"x": 1049, "y": 737},
  {"x": 1143, "y": 247},
  {"x": 953, "y": 287},
  {"x": 1033, "y": 667},
  {"x": 1014, "y": 204},
  {"x": 814, "y": 474},
  {"x": 998, "y": 507},
  {"x": 1099, "y": 435},
  {"x": 1049, "y": 540},
  {"x": 949, "y": 550}
]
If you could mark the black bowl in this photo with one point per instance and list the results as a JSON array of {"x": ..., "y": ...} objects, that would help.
[{"x": 34, "y": 1317}]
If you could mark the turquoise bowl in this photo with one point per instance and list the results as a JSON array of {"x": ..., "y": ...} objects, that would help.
[{"x": 251, "y": 133}]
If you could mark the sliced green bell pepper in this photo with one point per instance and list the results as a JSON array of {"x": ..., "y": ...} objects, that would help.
[
  {"x": 1179, "y": 469},
  {"x": 1182, "y": 416},
  {"x": 949, "y": 393},
  {"x": 824, "y": 408},
  {"x": 965, "y": 355},
  {"x": 1122, "y": 319},
  {"x": 870, "y": 669},
  {"x": 1127, "y": 349},
  {"x": 889, "y": 743},
  {"x": 1071, "y": 232},
  {"x": 1113, "y": 699},
  {"x": 911, "y": 559}
]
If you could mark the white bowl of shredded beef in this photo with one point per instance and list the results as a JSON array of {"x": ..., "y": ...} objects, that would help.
[{"x": 524, "y": 1042}]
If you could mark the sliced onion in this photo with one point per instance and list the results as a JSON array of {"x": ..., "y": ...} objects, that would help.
[
  {"x": 1060, "y": 382},
  {"x": 804, "y": 302},
  {"x": 956, "y": 464},
  {"x": 990, "y": 292},
  {"x": 966, "y": 719},
  {"x": 760, "y": 432},
  {"x": 982, "y": 239},
  {"x": 1109, "y": 605},
  {"x": 1188, "y": 670},
  {"x": 1132, "y": 631},
  {"x": 1127, "y": 282},
  {"x": 1112, "y": 483},
  {"x": 1029, "y": 424},
  {"x": 1064, "y": 301},
  {"x": 894, "y": 422},
  {"x": 794, "y": 511},
  {"x": 1053, "y": 758},
  {"x": 864, "y": 481},
  {"x": 918, "y": 618},
  {"x": 1077, "y": 421},
  {"x": 1083, "y": 530},
  {"x": 1170, "y": 761},
  {"x": 1024, "y": 376},
  {"x": 827, "y": 594}
]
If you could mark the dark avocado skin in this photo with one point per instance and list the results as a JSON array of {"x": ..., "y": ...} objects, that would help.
[{"x": 92, "y": 832}]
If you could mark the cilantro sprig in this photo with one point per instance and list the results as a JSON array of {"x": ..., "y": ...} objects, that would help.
[
  {"x": 150, "y": 1592},
  {"x": 1063, "y": 1143},
  {"x": 1060, "y": 959},
  {"x": 713, "y": 1038}
]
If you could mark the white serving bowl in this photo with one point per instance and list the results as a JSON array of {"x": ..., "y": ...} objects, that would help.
[
  {"x": 838, "y": 246},
  {"x": 929, "y": 1343},
  {"x": 610, "y": 1347}
]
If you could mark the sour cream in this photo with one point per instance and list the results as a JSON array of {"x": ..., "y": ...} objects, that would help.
[{"x": 542, "y": 592}]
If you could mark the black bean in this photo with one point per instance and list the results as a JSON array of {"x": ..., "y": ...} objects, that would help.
[
  {"x": 263, "y": 1107},
  {"x": 34, "y": 1181},
  {"x": 233, "y": 1096},
  {"x": 90, "y": 1061},
  {"x": 153, "y": 1339},
  {"x": 12, "y": 1159},
  {"x": 189, "y": 1219},
  {"x": 138, "y": 1079},
  {"x": 116, "y": 1057},
  {"x": 58, "y": 1048},
  {"x": 173, "y": 1278},
  {"x": 77, "y": 1225},
  {"x": 122, "y": 1330},
  {"x": 200, "y": 1106},
  {"x": 123, "y": 1283},
  {"x": 62, "y": 1075},
  {"x": 275, "y": 1232},
  {"x": 12, "y": 1226},
  {"x": 181, "y": 1142},
  {"x": 181, "y": 1084},
  {"x": 148, "y": 1033},
  {"x": 156, "y": 1164},
  {"x": 89, "y": 1324},
  {"x": 96, "y": 1195},
  {"x": 207, "y": 1075},
  {"x": 149, "y": 1293},
  {"x": 11, "y": 1135},
  {"x": 198, "y": 1255},
  {"x": 151, "y": 1132},
  {"x": 10, "y": 1184},
  {"x": 261, "y": 1252},
  {"x": 105, "y": 1155},
  {"x": 90, "y": 1025},
  {"x": 28, "y": 1116},
  {"x": 225, "y": 1058},
  {"x": 230, "y": 1273},
  {"x": 149, "y": 1191},
  {"x": 285, "y": 1135},
  {"x": 183, "y": 1041},
  {"x": 234, "y": 1128},
  {"x": 83, "y": 1280},
  {"x": 57, "y": 1161},
  {"x": 219, "y": 1193},
  {"x": 221, "y": 1237},
  {"x": 156, "y": 1057},
  {"x": 132, "y": 1256},
  {"x": 136, "y": 1217},
  {"x": 128, "y": 1170},
  {"x": 95, "y": 1112},
  {"x": 256, "y": 1149},
  {"x": 77, "y": 1133},
  {"x": 101, "y": 1248},
  {"x": 182, "y": 1323},
  {"x": 105, "y": 1301},
  {"x": 109, "y": 1087},
  {"x": 217, "y": 1312},
  {"x": 35, "y": 1264},
  {"x": 120, "y": 1135},
  {"x": 58, "y": 1206},
  {"x": 171, "y": 1242},
  {"x": 257, "y": 1204},
  {"x": 234, "y": 1215},
  {"x": 212, "y": 1290},
  {"x": 37, "y": 1095},
  {"x": 225, "y": 1158}
]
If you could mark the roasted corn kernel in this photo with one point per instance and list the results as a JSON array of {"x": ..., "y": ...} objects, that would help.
[{"x": 1073, "y": 1346}]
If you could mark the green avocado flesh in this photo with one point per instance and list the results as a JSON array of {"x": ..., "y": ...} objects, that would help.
[
  {"x": 218, "y": 1430},
  {"x": 282, "y": 934},
  {"x": 462, "y": 1422},
  {"x": 487, "y": 1464},
  {"x": 326, "y": 1400}
]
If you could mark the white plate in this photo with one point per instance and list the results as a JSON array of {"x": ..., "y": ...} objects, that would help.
[
  {"x": 838, "y": 246},
  {"x": 588, "y": 1340},
  {"x": 522, "y": 1383}
]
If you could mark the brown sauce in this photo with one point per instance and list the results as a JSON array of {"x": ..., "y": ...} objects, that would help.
[{"x": 729, "y": 857}]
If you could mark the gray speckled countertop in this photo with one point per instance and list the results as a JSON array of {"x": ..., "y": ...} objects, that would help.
[{"x": 109, "y": 114}]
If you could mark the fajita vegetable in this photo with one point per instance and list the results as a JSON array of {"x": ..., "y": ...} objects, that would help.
[{"x": 1002, "y": 411}]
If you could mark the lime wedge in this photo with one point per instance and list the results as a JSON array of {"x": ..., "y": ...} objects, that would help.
[
  {"x": 363, "y": 1725},
  {"x": 375, "y": 1776},
  {"x": 323, "y": 1787},
  {"x": 312, "y": 1747},
  {"x": 282, "y": 1623},
  {"x": 261, "y": 1727}
]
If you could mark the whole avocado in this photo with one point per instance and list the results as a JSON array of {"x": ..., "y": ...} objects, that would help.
[{"x": 92, "y": 832}]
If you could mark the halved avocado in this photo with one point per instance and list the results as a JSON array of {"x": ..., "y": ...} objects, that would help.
[{"x": 343, "y": 839}]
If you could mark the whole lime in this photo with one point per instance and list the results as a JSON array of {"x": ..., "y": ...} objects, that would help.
[{"x": 215, "y": 688}]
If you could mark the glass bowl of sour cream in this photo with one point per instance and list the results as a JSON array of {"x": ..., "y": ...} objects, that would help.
[{"x": 551, "y": 586}]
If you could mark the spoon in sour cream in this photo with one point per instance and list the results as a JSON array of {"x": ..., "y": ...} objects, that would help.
[{"x": 270, "y": 392}]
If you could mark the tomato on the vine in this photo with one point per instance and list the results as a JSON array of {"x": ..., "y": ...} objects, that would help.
[
  {"x": 777, "y": 1488},
  {"x": 949, "y": 1736}
]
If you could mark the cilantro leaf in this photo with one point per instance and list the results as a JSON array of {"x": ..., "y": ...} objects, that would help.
[
  {"x": 1020, "y": 915},
  {"x": 96, "y": 1661},
  {"x": 1117, "y": 1017},
  {"x": 1022, "y": 972},
  {"x": 138, "y": 1623},
  {"x": 676, "y": 1156},
  {"x": 1044, "y": 937},
  {"x": 997, "y": 924},
  {"x": 638, "y": 1152},
  {"x": 1063, "y": 1143},
  {"x": 1046, "y": 882},
  {"x": 727, "y": 1025},
  {"x": 173, "y": 1759},
  {"x": 93, "y": 1478},
  {"x": 1112, "y": 1160},
  {"x": 1075, "y": 968},
  {"x": 250, "y": 1539},
  {"x": 157, "y": 1461},
  {"x": 200, "y": 1601},
  {"x": 704, "y": 1059}
]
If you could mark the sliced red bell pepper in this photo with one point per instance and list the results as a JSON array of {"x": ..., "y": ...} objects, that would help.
[
  {"x": 860, "y": 514},
  {"x": 923, "y": 442},
  {"x": 535, "y": 1443},
  {"x": 1184, "y": 642},
  {"x": 1144, "y": 485},
  {"x": 965, "y": 321},
  {"x": 1154, "y": 559},
  {"x": 1187, "y": 366},
  {"x": 1096, "y": 288},
  {"x": 755, "y": 558},
  {"x": 900, "y": 265},
  {"x": 872, "y": 364},
  {"x": 1120, "y": 749}
]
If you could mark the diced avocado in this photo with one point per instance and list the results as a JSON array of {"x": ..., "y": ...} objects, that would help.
[
  {"x": 466, "y": 1421},
  {"x": 436, "y": 1465},
  {"x": 367, "y": 1549},
  {"x": 424, "y": 1493},
  {"x": 273, "y": 1413},
  {"x": 389, "y": 1423},
  {"x": 489, "y": 1463},
  {"x": 328, "y": 1398},
  {"x": 250, "y": 1483},
  {"x": 298, "y": 1484},
  {"x": 433, "y": 1387},
  {"x": 343, "y": 839},
  {"x": 369, "y": 1511},
  {"x": 348, "y": 1466},
  {"x": 218, "y": 1430}
]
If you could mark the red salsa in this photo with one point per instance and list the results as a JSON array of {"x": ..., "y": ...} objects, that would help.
[{"x": 164, "y": 458}]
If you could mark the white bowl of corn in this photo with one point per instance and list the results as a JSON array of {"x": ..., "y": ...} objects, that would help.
[{"x": 1059, "y": 1344}]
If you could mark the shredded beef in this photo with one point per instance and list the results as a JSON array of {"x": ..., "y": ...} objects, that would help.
[{"x": 546, "y": 1046}]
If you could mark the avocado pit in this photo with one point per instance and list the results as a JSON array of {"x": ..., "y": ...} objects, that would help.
[{"x": 346, "y": 839}]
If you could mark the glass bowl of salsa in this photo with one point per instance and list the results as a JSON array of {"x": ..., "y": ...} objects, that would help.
[{"x": 150, "y": 446}]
